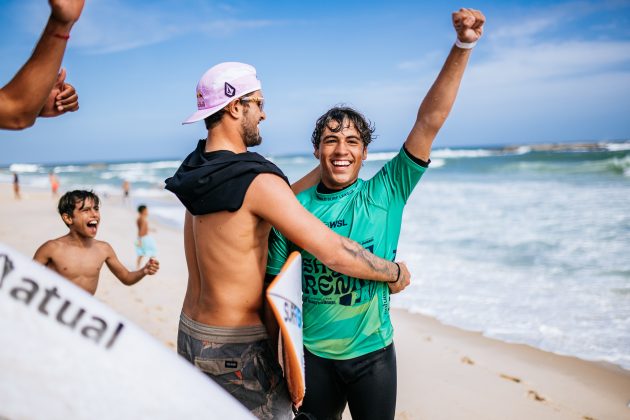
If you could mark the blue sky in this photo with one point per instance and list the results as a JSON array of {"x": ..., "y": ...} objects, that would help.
[{"x": 543, "y": 72}]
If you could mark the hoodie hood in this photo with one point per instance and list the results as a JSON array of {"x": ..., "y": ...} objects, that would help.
[{"x": 217, "y": 181}]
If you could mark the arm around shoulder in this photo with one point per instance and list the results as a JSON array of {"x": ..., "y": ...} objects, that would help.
[{"x": 303, "y": 229}]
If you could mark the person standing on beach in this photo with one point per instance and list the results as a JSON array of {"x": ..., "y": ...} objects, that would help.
[
  {"x": 348, "y": 336},
  {"x": 54, "y": 183},
  {"x": 145, "y": 244},
  {"x": 125, "y": 187},
  {"x": 79, "y": 257},
  {"x": 233, "y": 197},
  {"x": 39, "y": 88},
  {"x": 16, "y": 186}
]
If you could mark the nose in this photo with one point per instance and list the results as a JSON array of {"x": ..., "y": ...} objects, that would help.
[
  {"x": 341, "y": 147},
  {"x": 263, "y": 116}
]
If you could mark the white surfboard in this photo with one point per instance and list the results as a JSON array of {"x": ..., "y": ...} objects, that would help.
[
  {"x": 285, "y": 297},
  {"x": 65, "y": 355}
]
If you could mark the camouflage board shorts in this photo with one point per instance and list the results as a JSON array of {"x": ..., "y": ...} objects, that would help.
[{"x": 241, "y": 361}]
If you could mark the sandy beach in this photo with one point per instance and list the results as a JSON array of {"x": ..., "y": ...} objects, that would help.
[{"x": 443, "y": 372}]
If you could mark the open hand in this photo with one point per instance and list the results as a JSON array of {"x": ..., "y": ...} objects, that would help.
[
  {"x": 468, "y": 24},
  {"x": 152, "y": 266}
]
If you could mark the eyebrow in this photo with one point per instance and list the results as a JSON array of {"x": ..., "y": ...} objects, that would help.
[{"x": 337, "y": 135}]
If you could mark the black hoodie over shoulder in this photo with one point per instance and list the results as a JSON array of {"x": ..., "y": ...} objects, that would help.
[{"x": 217, "y": 181}]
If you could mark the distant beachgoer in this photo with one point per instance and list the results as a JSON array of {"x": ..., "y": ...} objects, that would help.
[
  {"x": 232, "y": 198},
  {"x": 39, "y": 89},
  {"x": 348, "y": 335},
  {"x": 16, "y": 186},
  {"x": 126, "y": 187},
  {"x": 54, "y": 183},
  {"x": 145, "y": 244},
  {"x": 79, "y": 257}
]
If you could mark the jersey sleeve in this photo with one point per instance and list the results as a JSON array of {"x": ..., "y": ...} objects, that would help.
[
  {"x": 396, "y": 180},
  {"x": 278, "y": 252}
]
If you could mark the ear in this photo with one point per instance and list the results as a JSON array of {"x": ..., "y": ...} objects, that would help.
[
  {"x": 234, "y": 108},
  {"x": 316, "y": 153},
  {"x": 66, "y": 218},
  {"x": 365, "y": 153}
]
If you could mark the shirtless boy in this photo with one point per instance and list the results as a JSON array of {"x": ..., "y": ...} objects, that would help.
[
  {"x": 79, "y": 257},
  {"x": 145, "y": 244}
]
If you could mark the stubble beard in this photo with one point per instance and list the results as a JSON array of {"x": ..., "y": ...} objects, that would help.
[{"x": 251, "y": 136}]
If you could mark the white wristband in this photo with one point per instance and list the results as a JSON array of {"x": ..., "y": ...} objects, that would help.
[{"x": 464, "y": 45}]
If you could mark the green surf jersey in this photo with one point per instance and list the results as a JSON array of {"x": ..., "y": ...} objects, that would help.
[{"x": 346, "y": 317}]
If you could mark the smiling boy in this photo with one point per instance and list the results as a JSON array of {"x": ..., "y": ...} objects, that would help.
[{"x": 79, "y": 257}]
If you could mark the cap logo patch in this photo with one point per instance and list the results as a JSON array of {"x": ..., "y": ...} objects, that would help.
[
  {"x": 229, "y": 90},
  {"x": 201, "y": 104}
]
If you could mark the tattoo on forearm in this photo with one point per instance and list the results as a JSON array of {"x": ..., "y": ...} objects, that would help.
[{"x": 377, "y": 264}]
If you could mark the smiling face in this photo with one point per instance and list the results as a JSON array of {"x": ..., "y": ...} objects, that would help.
[
  {"x": 341, "y": 154},
  {"x": 85, "y": 218}
]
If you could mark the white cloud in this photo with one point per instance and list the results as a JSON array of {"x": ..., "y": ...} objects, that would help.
[
  {"x": 108, "y": 26},
  {"x": 509, "y": 66}
]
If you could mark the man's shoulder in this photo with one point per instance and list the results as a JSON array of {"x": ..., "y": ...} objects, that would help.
[{"x": 269, "y": 183}]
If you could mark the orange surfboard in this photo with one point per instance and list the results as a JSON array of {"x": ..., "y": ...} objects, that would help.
[{"x": 284, "y": 295}]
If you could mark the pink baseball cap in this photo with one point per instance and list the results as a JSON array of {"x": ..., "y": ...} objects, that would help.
[{"x": 222, "y": 84}]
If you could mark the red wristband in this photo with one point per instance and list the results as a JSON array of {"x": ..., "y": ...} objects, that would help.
[{"x": 62, "y": 36}]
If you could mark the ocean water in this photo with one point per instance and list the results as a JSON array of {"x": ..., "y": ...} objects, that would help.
[{"x": 527, "y": 245}]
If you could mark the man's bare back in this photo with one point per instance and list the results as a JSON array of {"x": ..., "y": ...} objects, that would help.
[{"x": 226, "y": 257}]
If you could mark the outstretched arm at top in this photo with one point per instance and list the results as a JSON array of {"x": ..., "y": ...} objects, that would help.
[
  {"x": 438, "y": 102},
  {"x": 24, "y": 97},
  {"x": 125, "y": 276},
  {"x": 306, "y": 231}
]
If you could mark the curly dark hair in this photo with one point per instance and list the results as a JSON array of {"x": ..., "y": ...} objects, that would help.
[
  {"x": 68, "y": 201},
  {"x": 339, "y": 114}
]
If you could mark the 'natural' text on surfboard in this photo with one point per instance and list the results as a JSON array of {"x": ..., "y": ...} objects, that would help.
[{"x": 49, "y": 303}]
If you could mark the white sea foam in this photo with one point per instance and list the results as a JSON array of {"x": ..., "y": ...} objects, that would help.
[
  {"x": 523, "y": 261},
  {"x": 24, "y": 168},
  {"x": 616, "y": 147},
  {"x": 380, "y": 156},
  {"x": 140, "y": 166},
  {"x": 70, "y": 168},
  {"x": 462, "y": 153}
]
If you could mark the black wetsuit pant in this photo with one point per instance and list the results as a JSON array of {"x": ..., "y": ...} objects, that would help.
[{"x": 366, "y": 383}]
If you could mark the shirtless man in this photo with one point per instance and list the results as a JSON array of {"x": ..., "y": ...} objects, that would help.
[
  {"x": 39, "y": 88},
  {"x": 79, "y": 257},
  {"x": 233, "y": 197}
]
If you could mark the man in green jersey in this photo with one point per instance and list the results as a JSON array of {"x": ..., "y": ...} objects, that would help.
[{"x": 348, "y": 335}]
